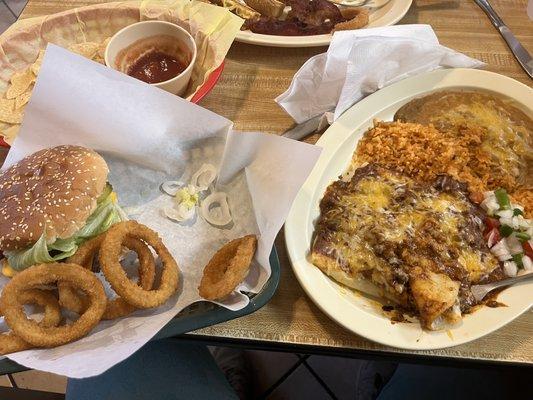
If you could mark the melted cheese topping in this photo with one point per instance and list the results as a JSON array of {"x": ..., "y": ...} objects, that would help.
[
  {"x": 398, "y": 232},
  {"x": 374, "y": 193}
]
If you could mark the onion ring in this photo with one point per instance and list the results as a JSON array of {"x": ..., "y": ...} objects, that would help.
[
  {"x": 11, "y": 343},
  {"x": 115, "y": 275},
  {"x": 117, "y": 307},
  {"x": 227, "y": 268},
  {"x": 44, "y": 274}
]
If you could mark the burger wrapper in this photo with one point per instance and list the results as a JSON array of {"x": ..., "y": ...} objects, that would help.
[
  {"x": 149, "y": 136},
  {"x": 213, "y": 28}
]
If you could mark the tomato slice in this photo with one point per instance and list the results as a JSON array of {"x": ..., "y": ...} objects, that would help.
[
  {"x": 490, "y": 225},
  {"x": 487, "y": 234},
  {"x": 528, "y": 249}
]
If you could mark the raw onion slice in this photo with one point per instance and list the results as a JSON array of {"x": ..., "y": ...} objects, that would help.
[
  {"x": 215, "y": 209},
  {"x": 181, "y": 213},
  {"x": 501, "y": 251},
  {"x": 528, "y": 263},
  {"x": 171, "y": 187},
  {"x": 204, "y": 177},
  {"x": 510, "y": 268}
]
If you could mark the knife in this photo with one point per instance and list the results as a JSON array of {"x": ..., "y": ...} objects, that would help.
[
  {"x": 304, "y": 129},
  {"x": 521, "y": 54}
]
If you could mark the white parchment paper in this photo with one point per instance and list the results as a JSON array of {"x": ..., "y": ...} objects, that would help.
[{"x": 149, "y": 136}]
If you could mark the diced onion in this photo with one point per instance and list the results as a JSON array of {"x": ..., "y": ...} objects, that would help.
[
  {"x": 501, "y": 251},
  {"x": 515, "y": 222},
  {"x": 514, "y": 245},
  {"x": 510, "y": 268},
  {"x": 522, "y": 222},
  {"x": 215, "y": 209},
  {"x": 171, "y": 187},
  {"x": 505, "y": 214},
  {"x": 491, "y": 240},
  {"x": 506, "y": 221},
  {"x": 528, "y": 263},
  {"x": 490, "y": 204},
  {"x": 204, "y": 177}
]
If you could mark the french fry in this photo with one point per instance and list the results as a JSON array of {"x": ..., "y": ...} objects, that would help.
[
  {"x": 269, "y": 8},
  {"x": 235, "y": 7}
]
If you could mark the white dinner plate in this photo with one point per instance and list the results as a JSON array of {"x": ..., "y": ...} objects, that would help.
[
  {"x": 387, "y": 15},
  {"x": 349, "y": 308}
]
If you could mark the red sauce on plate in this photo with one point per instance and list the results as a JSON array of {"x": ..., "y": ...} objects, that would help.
[{"x": 155, "y": 67}]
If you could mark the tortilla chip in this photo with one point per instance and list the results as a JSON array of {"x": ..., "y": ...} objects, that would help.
[
  {"x": 10, "y": 134},
  {"x": 8, "y": 113},
  {"x": 87, "y": 50},
  {"x": 36, "y": 66},
  {"x": 102, "y": 47},
  {"x": 21, "y": 100},
  {"x": 20, "y": 82},
  {"x": 99, "y": 59}
]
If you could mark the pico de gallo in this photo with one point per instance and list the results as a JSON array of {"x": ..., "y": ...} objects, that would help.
[{"x": 508, "y": 233}]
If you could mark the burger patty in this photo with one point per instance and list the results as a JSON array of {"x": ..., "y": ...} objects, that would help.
[{"x": 421, "y": 244}]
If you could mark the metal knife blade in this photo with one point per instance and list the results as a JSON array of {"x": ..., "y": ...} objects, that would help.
[
  {"x": 304, "y": 129},
  {"x": 520, "y": 53}
]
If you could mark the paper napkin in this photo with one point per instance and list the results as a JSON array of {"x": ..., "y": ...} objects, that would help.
[{"x": 361, "y": 62}]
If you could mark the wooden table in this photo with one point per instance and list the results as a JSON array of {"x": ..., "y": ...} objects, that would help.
[{"x": 252, "y": 78}]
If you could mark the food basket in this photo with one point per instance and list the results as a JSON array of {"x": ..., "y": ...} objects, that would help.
[
  {"x": 79, "y": 29},
  {"x": 65, "y": 25}
]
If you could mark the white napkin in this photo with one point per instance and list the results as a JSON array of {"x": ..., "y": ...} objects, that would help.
[{"x": 361, "y": 62}]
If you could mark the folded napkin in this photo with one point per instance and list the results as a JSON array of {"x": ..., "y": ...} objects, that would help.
[{"x": 361, "y": 62}]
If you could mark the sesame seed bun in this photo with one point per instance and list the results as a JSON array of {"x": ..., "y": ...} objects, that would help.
[{"x": 56, "y": 188}]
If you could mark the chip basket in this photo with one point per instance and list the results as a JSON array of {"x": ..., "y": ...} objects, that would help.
[{"x": 198, "y": 315}]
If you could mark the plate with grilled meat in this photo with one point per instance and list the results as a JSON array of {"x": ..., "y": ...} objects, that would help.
[
  {"x": 308, "y": 23},
  {"x": 423, "y": 190}
]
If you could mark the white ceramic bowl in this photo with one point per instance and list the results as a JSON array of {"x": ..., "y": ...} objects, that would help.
[{"x": 144, "y": 30}]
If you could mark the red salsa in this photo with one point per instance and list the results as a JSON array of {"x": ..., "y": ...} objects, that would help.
[{"x": 155, "y": 67}]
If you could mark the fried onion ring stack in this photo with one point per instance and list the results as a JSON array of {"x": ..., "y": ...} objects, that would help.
[{"x": 81, "y": 291}]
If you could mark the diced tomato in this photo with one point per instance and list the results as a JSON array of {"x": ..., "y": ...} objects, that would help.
[
  {"x": 491, "y": 224},
  {"x": 528, "y": 249},
  {"x": 495, "y": 232}
]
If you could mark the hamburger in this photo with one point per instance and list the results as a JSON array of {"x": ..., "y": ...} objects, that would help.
[{"x": 50, "y": 203}]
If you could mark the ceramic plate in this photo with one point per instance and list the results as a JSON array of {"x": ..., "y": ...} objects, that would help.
[
  {"x": 387, "y": 15},
  {"x": 355, "y": 311}
]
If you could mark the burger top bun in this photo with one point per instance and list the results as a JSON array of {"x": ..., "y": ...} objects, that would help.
[{"x": 55, "y": 188}]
